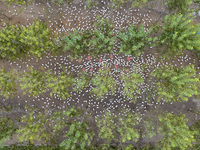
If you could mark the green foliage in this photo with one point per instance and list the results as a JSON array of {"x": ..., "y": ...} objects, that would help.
[
  {"x": 177, "y": 34},
  {"x": 34, "y": 128},
  {"x": 126, "y": 127},
  {"x": 7, "y": 83},
  {"x": 149, "y": 128},
  {"x": 78, "y": 133},
  {"x": 103, "y": 82},
  {"x": 114, "y": 4},
  {"x": 10, "y": 2},
  {"x": 132, "y": 82},
  {"x": 96, "y": 42},
  {"x": 82, "y": 81},
  {"x": 106, "y": 127},
  {"x": 178, "y": 6},
  {"x": 33, "y": 82},
  {"x": 175, "y": 84},
  {"x": 118, "y": 128},
  {"x": 7, "y": 129},
  {"x": 17, "y": 41},
  {"x": 134, "y": 40},
  {"x": 196, "y": 128},
  {"x": 60, "y": 85},
  {"x": 138, "y": 3},
  {"x": 103, "y": 37},
  {"x": 61, "y": 119},
  {"x": 175, "y": 131},
  {"x": 36, "y": 38},
  {"x": 91, "y": 3},
  {"x": 77, "y": 43},
  {"x": 10, "y": 44}
]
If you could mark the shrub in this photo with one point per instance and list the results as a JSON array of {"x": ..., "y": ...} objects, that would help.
[
  {"x": 8, "y": 85},
  {"x": 175, "y": 84},
  {"x": 135, "y": 40},
  {"x": 177, "y": 34}
]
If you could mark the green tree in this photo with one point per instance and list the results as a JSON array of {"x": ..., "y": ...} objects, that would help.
[
  {"x": 10, "y": 42},
  {"x": 118, "y": 128},
  {"x": 177, "y": 34},
  {"x": 82, "y": 81},
  {"x": 18, "y": 41},
  {"x": 36, "y": 39},
  {"x": 61, "y": 119},
  {"x": 106, "y": 127},
  {"x": 177, "y": 6},
  {"x": 132, "y": 82},
  {"x": 8, "y": 85},
  {"x": 60, "y": 85},
  {"x": 18, "y": 2},
  {"x": 103, "y": 82},
  {"x": 175, "y": 84},
  {"x": 77, "y": 43},
  {"x": 126, "y": 127},
  {"x": 196, "y": 129},
  {"x": 33, "y": 82},
  {"x": 33, "y": 128},
  {"x": 7, "y": 129},
  {"x": 135, "y": 40},
  {"x": 99, "y": 41},
  {"x": 175, "y": 131},
  {"x": 79, "y": 133},
  {"x": 103, "y": 37}
]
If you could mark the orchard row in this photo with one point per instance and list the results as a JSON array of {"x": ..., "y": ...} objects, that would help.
[
  {"x": 167, "y": 82},
  {"x": 74, "y": 129},
  {"x": 176, "y": 34}
]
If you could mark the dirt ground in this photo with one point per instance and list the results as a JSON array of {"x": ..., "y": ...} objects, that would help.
[{"x": 66, "y": 19}]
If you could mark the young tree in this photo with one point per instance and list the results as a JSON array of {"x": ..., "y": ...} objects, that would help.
[
  {"x": 10, "y": 42},
  {"x": 135, "y": 40},
  {"x": 103, "y": 37},
  {"x": 8, "y": 85},
  {"x": 126, "y": 127},
  {"x": 118, "y": 128},
  {"x": 177, "y": 6},
  {"x": 77, "y": 43},
  {"x": 106, "y": 127},
  {"x": 177, "y": 34},
  {"x": 18, "y": 2},
  {"x": 7, "y": 129},
  {"x": 103, "y": 83},
  {"x": 175, "y": 131},
  {"x": 131, "y": 84},
  {"x": 17, "y": 41},
  {"x": 79, "y": 133},
  {"x": 36, "y": 39},
  {"x": 60, "y": 84},
  {"x": 61, "y": 119},
  {"x": 33, "y": 128},
  {"x": 82, "y": 81},
  {"x": 175, "y": 84},
  {"x": 98, "y": 41},
  {"x": 33, "y": 82},
  {"x": 196, "y": 129}
]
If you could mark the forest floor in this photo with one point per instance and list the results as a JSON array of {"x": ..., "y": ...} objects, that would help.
[{"x": 65, "y": 20}]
